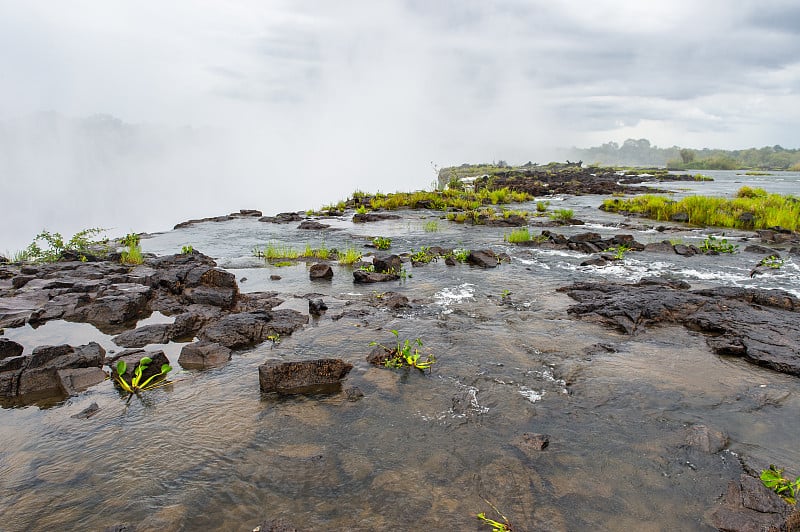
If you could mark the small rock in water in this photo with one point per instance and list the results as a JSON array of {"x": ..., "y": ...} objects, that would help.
[
  {"x": 320, "y": 271},
  {"x": 317, "y": 306},
  {"x": 353, "y": 393},
  {"x": 275, "y": 525},
  {"x": 87, "y": 412},
  {"x": 274, "y": 277}
]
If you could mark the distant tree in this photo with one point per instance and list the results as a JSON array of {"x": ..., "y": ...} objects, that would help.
[{"x": 687, "y": 155}]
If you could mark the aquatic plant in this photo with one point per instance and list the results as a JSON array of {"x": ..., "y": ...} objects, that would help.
[
  {"x": 322, "y": 253},
  {"x": 431, "y": 226},
  {"x": 187, "y": 250},
  {"x": 275, "y": 251},
  {"x": 350, "y": 256},
  {"x": 136, "y": 385},
  {"x": 562, "y": 215},
  {"x": 619, "y": 251},
  {"x": 497, "y": 526},
  {"x": 773, "y": 479},
  {"x": 407, "y": 354},
  {"x": 81, "y": 243},
  {"x": 361, "y": 209},
  {"x": 132, "y": 255},
  {"x": 541, "y": 206},
  {"x": 381, "y": 242},
  {"x": 424, "y": 255},
  {"x": 773, "y": 261},
  {"x": 519, "y": 235},
  {"x": 717, "y": 245}
]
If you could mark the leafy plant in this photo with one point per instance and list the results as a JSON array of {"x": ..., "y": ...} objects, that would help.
[
  {"x": 274, "y": 251},
  {"x": 773, "y": 261},
  {"x": 136, "y": 385},
  {"x": 424, "y": 255},
  {"x": 773, "y": 479},
  {"x": 718, "y": 245},
  {"x": 519, "y": 235},
  {"x": 431, "y": 226},
  {"x": 541, "y": 206},
  {"x": 505, "y": 294},
  {"x": 350, "y": 256},
  {"x": 81, "y": 243},
  {"x": 407, "y": 354},
  {"x": 132, "y": 255},
  {"x": 619, "y": 251},
  {"x": 497, "y": 526},
  {"x": 562, "y": 215},
  {"x": 461, "y": 254},
  {"x": 187, "y": 250},
  {"x": 361, "y": 209},
  {"x": 382, "y": 242}
]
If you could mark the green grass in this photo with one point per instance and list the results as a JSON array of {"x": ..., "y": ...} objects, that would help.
[
  {"x": 562, "y": 215},
  {"x": 445, "y": 199},
  {"x": 768, "y": 210},
  {"x": 321, "y": 253},
  {"x": 541, "y": 206},
  {"x": 133, "y": 252},
  {"x": 275, "y": 251},
  {"x": 431, "y": 226},
  {"x": 519, "y": 235},
  {"x": 350, "y": 256}
]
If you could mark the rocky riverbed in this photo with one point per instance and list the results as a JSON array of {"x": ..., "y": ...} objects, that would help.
[{"x": 572, "y": 389}]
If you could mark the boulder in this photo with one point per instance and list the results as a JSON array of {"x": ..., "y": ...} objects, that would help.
[
  {"x": 9, "y": 348},
  {"x": 249, "y": 328},
  {"x": 680, "y": 217},
  {"x": 282, "y": 218},
  {"x": 363, "y": 277},
  {"x": 659, "y": 247},
  {"x": 705, "y": 439},
  {"x": 148, "y": 334},
  {"x": 485, "y": 258},
  {"x": 312, "y": 376},
  {"x": 387, "y": 264},
  {"x": 202, "y": 354},
  {"x": 73, "y": 381},
  {"x": 312, "y": 225},
  {"x": 320, "y": 271},
  {"x": 750, "y": 506},
  {"x": 374, "y": 217},
  {"x": 316, "y": 306}
]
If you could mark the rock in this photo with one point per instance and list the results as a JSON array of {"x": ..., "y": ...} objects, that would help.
[
  {"x": 686, "y": 251},
  {"x": 87, "y": 412},
  {"x": 313, "y": 376},
  {"x": 74, "y": 381},
  {"x": 586, "y": 237},
  {"x": 597, "y": 261},
  {"x": 282, "y": 218},
  {"x": 762, "y": 326},
  {"x": 750, "y": 506},
  {"x": 203, "y": 354},
  {"x": 761, "y": 250},
  {"x": 353, "y": 393},
  {"x": 387, "y": 264},
  {"x": 363, "y": 276},
  {"x": 378, "y": 356},
  {"x": 485, "y": 258},
  {"x": 531, "y": 441},
  {"x": 187, "y": 223},
  {"x": 316, "y": 306},
  {"x": 312, "y": 225},
  {"x": 117, "y": 304},
  {"x": 246, "y": 213},
  {"x": 450, "y": 261},
  {"x": 249, "y": 328},
  {"x": 275, "y": 525},
  {"x": 705, "y": 439},
  {"x": 148, "y": 334},
  {"x": 9, "y": 348},
  {"x": 4, "y": 260},
  {"x": 21, "y": 280},
  {"x": 274, "y": 277},
  {"x": 374, "y": 217},
  {"x": 680, "y": 217},
  {"x": 320, "y": 271},
  {"x": 659, "y": 247}
]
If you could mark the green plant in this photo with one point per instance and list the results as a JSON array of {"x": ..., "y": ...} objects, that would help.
[
  {"x": 773, "y": 479},
  {"x": 407, "y": 354},
  {"x": 461, "y": 254},
  {"x": 424, "y": 255},
  {"x": 132, "y": 255},
  {"x": 135, "y": 386},
  {"x": 381, "y": 242},
  {"x": 541, "y": 206},
  {"x": 619, "y": 251},
  {"x": 361, "y": 209},
  {"x": 275, "y": 252},
  {"x": 773, "y": 261},
  {"x": 721, "y": 245},
  {"x": 282, "y": 263},
  {"x": 81, "y": 243},
  {"x": 367, "y": 267},
  {"x": 431, "y": 226},
  {"x": 497, "y": 526},
  {"x": 562, "y": 215},
  {"x": 187, "y": 250},
  {"x": 350, "y": 256},
  {"x": 505, "y": 294},
  {"x": 519, "y": 235},
  {"x": 274, "y": 338}
]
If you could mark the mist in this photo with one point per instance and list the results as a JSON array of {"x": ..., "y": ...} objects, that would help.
[{"x": 134, "y": 118}]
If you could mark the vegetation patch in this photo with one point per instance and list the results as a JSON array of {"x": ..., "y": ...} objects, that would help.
[
  {"x": 773, "y": 479},
  {"x": 382, "y": 242},
  {"x": 752, "y": 208},
  {"x": 519, "y": 235},
  {"x": 713, "y": 244},
  {"x": 406, "y": 354},
  {"x": 275, "y": 251},
  {"x": 562, "y": 215},
  {"x": 349, "y": 257},
  {"x": 137, "y": 384},
  {"x": 53, "y": 248},
  {"x": 132, "y": 254}
]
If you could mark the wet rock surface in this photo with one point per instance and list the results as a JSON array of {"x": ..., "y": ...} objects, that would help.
[
  {"x": 748, "y": 506},
  {"x": 312, "y": 376},
  {"x": 761, "y": 326}
]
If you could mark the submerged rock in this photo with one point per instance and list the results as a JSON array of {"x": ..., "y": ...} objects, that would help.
[
  {"x": 363, "y": 276},
  {"x": 484, "y": 258},
  {"x": 203, "y": 354},
  {"x": 320, "y": 271},
  {"x": 312, "y": 376},
  {"x": 750, "y": 506}
]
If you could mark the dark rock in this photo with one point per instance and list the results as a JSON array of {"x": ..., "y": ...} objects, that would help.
[
  {"x": 353, "y": 393},
  {"x": 762, "y": 250},
  {"x": 21, "y": 280},
  {"x": 750, "y": 506},
  {"x": 313, "y": 376},
  {"x": 586, "y": 237},
  {"x": 705, "y": 439},
  {"x": 274, "y": 277},
  {"x": 38, "y": 373},
  {"x": 282, "y": 218},
  {"x": 159, "y": 333},
  {"x": 316, "y": 306},
  {"x": 73, "y": 381},
  {"x": 9, "y": 348},
  {"x": 680, "y": 217},
  {"x": 275, "y": 525},
  {"x": 374, "y": 217},
  {"x": 320, "y": 271},
  {"x": 4, "y": 260},
  {"x": 394, "y": 301},
  {"x": 87, "y": 412},
  {"x": 387, "y": 264},
  {"x": 245, "y": 213},
  {"x": 202, "y": 354},
  {"x": 682, "y": 249},
  {"x": 249, "y": 328},
  {"x": 187, "y": 223},
  {"x": 762, "y": 326},
  {"x": 450, "y": 261},
  {"x": 531, "y": 443},
  {"x": 312, "y": 225},
  {"x": 597, "y": 261},
  {"x": 119, "y": 303},
  {"x": 484, "y": 258},
  {"x": 363, "y": 276},
  {"x": 747, "y": 220},
  {"x": 378, "y": 356}
]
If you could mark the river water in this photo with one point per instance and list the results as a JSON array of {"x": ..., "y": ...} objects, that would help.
[{"x": 420, "y": 452}]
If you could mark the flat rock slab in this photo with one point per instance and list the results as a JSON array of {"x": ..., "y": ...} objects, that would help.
[
  {"x": 201, "y": 355},
  {"x": 749, "y": 506},
  {"x": 761, "y": 326},
  {"x": 304, "y": 377}
]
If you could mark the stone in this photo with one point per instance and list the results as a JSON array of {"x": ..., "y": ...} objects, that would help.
[
  {"x": 597, "y": 261},
  {"x": 387, "y": 264},
  {"x": 38, "y": 373},
  {"x": 316, "y": 306},
  {"x": 312, "y": 376},
  {"x": 659, "y": 247},
  {"x": 158, "y": 333},
  {"x": 274, "y": 277},
  {"x": 485, "y": 258},
  {"x": 203, "y": 354},
  {"x": 73, "y": 381},
  {"x": 363, "y": 277},
  {"x": 275, "y": 525},
  {"x": 682, "y": 249},
  {"x": 320, "y": 271},
  {"x": 750, "y": 506},
  {"x": 353, "y": 394},
  {"x": 680, "y": 217},
  {"x": 249, "y": 328},
  {"x": 705, "y": 439},
  {"x": 87, "y": 412},
  {"x": 9, "y": 348},
  {"x": 531, "y": 441},
  {"x": 374, "y": 217},
  {"x": 312, "y": 225},
  {"x": 586, "y": 237}
]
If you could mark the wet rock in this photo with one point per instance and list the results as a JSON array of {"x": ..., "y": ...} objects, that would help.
[
  {"x": 275, "y": 525},
  {"x": 188, "y": 223},
  {"x": 74, "y": 381},
  {"x": 682, "y": 249},
  {"x": 312, "y": 225},
  {"x": 116, "y": 304},
  {"x": 313, "y": 376},
  {"x": 680, "y": 217},
  {"x": 353, "y": 394},
  {"x": 762, "y": 326},
  {"x": 21, "y": 280},
  {"x": 531, "y": 441},
  {"x": 755, "y": 248},
  {"x": 148, "y": 334},
  {"x": 597, "y": 261},
  {"x": 750, "y": 506},
  {"x": 660, "y": 247},
  {"x": 282, "y": 218},
  {"x": 9, "y": 348},
  {"x": 450, "y": 261},
  {"x": 379, "y": 356},
  {"x": 387, "y": 263},
  {"x": 320, "y": 271},
  {"x": 87, "y": 412},
  {"x": 317, "y": 306},
  {"x": 274, "y": 277},
  {"x": 586, "y": 237},
  {"x": 362, "y": 276},
  {"x": 483, "y": 258},
  {"x": 705, "y": 439},
  {"x": 202, "y": 355},
  {"x": 249, "y": 328},
  {"x": 246, "y": 213},
  {"x": 373, "y": 217}
]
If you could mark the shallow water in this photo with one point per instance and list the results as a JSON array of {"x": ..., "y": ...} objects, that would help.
[{"x": 418, "y": 451}]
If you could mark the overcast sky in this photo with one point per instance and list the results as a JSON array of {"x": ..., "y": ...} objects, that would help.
[{"x": 287, "y": 105}]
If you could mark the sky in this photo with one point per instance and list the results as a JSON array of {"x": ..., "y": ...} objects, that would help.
[{"x": 137, "y": 115}]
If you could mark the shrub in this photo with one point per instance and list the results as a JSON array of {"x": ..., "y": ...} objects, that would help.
[
  {"x": 519, "y": 235},
  {"x": 81, "y": 243},
  {"x": 350, "y": 256},
  {"x": 562, "y": 215},
  {"x": 132, "y": 255}
]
